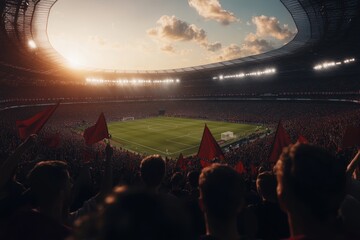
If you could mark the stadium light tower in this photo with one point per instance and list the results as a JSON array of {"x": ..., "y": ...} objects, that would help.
[{"x": 32, "y": 44}]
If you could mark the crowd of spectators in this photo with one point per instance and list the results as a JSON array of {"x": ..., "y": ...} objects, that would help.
[{"x": 157, "y": 200}]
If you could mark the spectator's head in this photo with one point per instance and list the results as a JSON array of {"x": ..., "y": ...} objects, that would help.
[
  {"x": 177, "y": 180},
  {"x": 266, "y": 186},
  {"x": 310, "y": 179},
  {"x": 49, "y": 182},
  {"x": 138, "y": 214},
  {"x": 222, "y": 192},
  {"x": 152, "y": 170},
  {"x": 193, "y": 179}
]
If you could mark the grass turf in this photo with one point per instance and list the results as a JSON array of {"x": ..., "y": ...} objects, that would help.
[{"x": 169, "y": 136}]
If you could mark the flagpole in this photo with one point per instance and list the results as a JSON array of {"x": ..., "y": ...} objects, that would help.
[{"x": 273, "y": 143}]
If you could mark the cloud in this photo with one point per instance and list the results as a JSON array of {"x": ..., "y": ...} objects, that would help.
[
  {"x": 213, "y": 47},
  {"x": 229, "y": 52},
  {"x": 168, "y": 48},
  {"x": 252, "y": 45},
  {"x": 171, "y": 28},
  {"x": 255, "y": 45},
  {"x": 212, "y": 10},
  {"x": 171, "y": 50},
  {"x": 270, "y": 26}
]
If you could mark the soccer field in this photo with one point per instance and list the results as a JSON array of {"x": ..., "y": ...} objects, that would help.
[{"x": 169, "y": 136}]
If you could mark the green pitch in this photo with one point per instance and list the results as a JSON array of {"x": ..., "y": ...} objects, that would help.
[{"x": 170, "y": 136}]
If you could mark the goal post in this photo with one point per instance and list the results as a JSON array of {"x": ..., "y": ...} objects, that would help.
[
  {"x": 128, "y": 119},
  {"x": 225, "y": 136}
]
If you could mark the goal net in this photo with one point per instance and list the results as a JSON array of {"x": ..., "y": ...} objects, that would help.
[
  {"x": 227, "y": 135},
  {"x": 128, "y": 118}
]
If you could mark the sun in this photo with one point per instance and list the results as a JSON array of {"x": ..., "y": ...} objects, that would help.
[{"x": 73, "y": 60}]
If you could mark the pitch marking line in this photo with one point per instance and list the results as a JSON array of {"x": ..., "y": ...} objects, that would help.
[
  {"x": 186, "y": 149},
  {"x": 165, "y": 153},
  {"x": 184, "y": 144},
  {"x": 179, "y": 123},
  {"x": 141, "y": 145},
  {"x": 188, "y": 135}
]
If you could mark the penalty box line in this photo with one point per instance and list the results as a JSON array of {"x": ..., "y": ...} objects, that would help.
[
  {"x": 140, "y": 145},
  {"x": 165, "y": 153}
]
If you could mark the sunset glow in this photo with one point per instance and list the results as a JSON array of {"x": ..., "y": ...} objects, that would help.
[{"x": 165, "y": 34}]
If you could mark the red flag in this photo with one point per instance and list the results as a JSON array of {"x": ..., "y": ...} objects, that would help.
[
  {"x": 34, "y": 124},
  {"x": 97, "y": 132},
  {"x": 209, "y": 149},
  {"x": 52, "y": 141},
  {"x": 302, "y": 139},
  {"x": 239, "y": 167},
  {"x": 282, "y": 139},
  {"x": 351, "y": 137},
  {"x": 205, "y": 163},
  {"x": 182, "y": 162}
]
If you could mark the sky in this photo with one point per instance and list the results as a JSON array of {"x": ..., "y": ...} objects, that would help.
[{"x": 165, "y": 34}]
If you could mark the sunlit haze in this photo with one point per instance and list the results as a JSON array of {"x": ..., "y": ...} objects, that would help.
[{"x": 165, "y": 34}]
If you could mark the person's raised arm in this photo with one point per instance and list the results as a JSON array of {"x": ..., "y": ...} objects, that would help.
[
  {"x": 10, "y": 164},
  {"x": 353, "y": 165},
  {"x": 106, "y": 187}
]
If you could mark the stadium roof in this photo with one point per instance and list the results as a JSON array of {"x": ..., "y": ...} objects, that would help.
[{"x": 327, "y": 29}]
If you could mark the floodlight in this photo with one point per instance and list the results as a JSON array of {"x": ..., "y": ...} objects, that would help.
[{"x": 32, "y": 44}]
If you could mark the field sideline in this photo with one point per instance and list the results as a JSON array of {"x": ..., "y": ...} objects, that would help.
[{"x": 169, "y": 136}]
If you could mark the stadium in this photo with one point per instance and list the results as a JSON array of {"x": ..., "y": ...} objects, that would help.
[{"x": 238, "y": 105}]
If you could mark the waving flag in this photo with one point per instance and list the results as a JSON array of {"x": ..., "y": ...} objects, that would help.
[
  {"x": 34, "y": 124},
  {"x": 209, "y": 149},
  {"x": 282, "y": 139},
  {"x": 239, "y": 167},
  {"x": 97, "y": 132}
]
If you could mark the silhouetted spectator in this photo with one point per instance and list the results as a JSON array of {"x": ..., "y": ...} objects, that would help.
[
  {"x": 222, "y": 193},
  {"x": 50, "y": 187},
  {"x": 177, "y": 182},
  {"x": 106, "y": 186},
  {"x": 192, "y": 203},
  {"x": 311, "y": 187},
  {"x": 50, "y": 196},
  {"x": 271, "y": 221},
  {"x": 152, "y": 171},
  {"x": 137, "y": 214},
  {"x": 10, "y": 189},
  {"x": 193, "y": 184}
]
